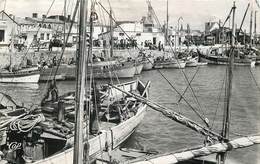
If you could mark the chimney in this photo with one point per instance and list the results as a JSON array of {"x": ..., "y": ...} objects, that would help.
[
  {"x": 35, "y": 15},
  {"x": 69, "y": 17},
  {"x": 43, "y": 16}
]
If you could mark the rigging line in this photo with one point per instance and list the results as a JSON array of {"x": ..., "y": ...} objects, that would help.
[
  {"x": 197, "y": 70},
  {"x": 43, "y": 20},
  {"x": 189, "y": 84},
  {"x": 194, "y": 109},
  {"x": 184, "y": 74},
  {"x": 255, "y": 81},
  {"x": 219, "y": 97}
]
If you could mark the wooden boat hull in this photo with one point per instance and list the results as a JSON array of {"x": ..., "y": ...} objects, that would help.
[
  {"x": 20, "y": 77},
  {"x": 202, "y": 63},
  {"x": 123, "y": 72},
  {"x": 109, "y": 138},
  {"x": 179, "y": 65},
  {"x": 218, "y": 60}
]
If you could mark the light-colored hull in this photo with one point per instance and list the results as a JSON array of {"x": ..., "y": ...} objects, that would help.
[
  {"x": 124, "y": 72},
  {"x": 111, "y": 138},
  {"x": 224, "y": 61},
  {"x": 170, "y": 65},
  {"x": 20, "y": 78},
  {"x": 202, "y": 63},
  {"x": 138, "y": 69}
]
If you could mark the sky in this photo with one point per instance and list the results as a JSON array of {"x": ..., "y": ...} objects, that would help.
[{"x": 194, "y": 12}]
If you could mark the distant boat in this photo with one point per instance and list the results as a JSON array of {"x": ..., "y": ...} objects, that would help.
[
  {"x": 101, "y": 70},
  {"x": 223, "y": 60},
  {"x": 169, "y": 63},
  {"x": 26, "y": 75}
]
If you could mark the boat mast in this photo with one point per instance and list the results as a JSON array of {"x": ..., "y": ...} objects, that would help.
[
  {"x": 80, "y": 86},
  {"x": 111, "y": 33},
  {"x": 251, "y": 28},
  {"x": 255, "y": 29},
  {"x": 64, "y": 30},
  {"x": 11, "y": 48},
  {"x": 226, "y": 121},
  {"x": 167, "y": 24}
]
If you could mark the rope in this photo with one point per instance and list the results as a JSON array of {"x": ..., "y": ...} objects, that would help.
[
  {"x": 255, "y": 81},
  {"x": 26, "y": 123},
  {"x": 219, "y": 97}
]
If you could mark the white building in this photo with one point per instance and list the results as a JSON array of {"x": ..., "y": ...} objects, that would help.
[
  {"x": 134, "y": 30},
  {"x": 23, "y": 31}
]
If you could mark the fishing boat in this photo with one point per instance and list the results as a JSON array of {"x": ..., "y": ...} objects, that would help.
[
  {"x": 97, "y": 120},
  {"x": 169, "y": 63},
  {"x": 101, "y": 70},
  {"x": 223, "y": 60},
  {"x": 113, "y": 129},
  {"x": 29, "y": 74},
  {"x": 26, "y": 75}
]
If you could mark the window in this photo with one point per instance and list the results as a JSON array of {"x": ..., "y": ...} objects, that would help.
[
  {"x": 42, "y": 36},
  {"x": 44, "y": 26},
  {"x": 121, "y": 34},
  {"x": 138, "y": 34},
  {"x": 49, "y": 26},
  {"x": 48, "y": 37},
  {"x": 2, "y": 35}
]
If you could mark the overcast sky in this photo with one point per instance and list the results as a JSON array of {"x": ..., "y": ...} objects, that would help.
[{"x": 194, "y": 12}]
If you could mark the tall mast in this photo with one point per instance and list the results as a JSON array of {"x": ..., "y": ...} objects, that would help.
[
  {"x": 251, "y": 28},
  {"x": 167, "y": 23},
  {"x": 64, "y": 28},
  {"x": 111, "y": 33},
  {"x": 80, "y": 85},
  {"x": 255, "y": 28},
  {"x": 226, "y": 120},
  {"x": 11, "y": 48}
]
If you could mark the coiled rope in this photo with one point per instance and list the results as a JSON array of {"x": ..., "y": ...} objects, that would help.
[{"x": 26, "y": 123}]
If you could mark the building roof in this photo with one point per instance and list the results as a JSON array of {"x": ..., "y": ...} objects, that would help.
[
  {"x": 3, "y": 12},
  {"x": 17, "y": 20},
  {"x": 23, "y": 21},
  {"x": 46, "y": 20}
]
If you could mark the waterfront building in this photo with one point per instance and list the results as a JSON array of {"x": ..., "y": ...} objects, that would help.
[{"x": 24, "y": 31}]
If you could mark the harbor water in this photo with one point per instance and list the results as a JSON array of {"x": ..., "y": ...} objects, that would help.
[{"x": 156, "y": 132}]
